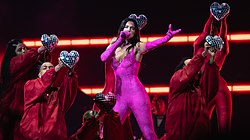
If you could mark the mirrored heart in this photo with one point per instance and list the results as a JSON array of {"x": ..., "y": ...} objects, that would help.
[
  {"x": 69, "y": 58},
  {"x": 219, "y": 11},
  {"x": 49, "y": 42}
]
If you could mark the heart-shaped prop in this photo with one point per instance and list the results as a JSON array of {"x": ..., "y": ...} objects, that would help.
[
  {"x": 69, "y": 59},
  {"x": 219, "y": 11},
  {"x": 215, "y": 41},
  {"x": 105, "y": 102},
  {"x": 141, "y": 20},
  {"x": 49, "y": 42}
]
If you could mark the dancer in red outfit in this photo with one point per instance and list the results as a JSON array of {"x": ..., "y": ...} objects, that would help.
[
  {"x": 90, "y": 129},
  {"x": 223, "y": 99},
  {"x": 45, "y": 105},
  {"x": 105, "y": 124},
  {"x": 19, "y": 65},
  {"x": 190, "y": 92}
]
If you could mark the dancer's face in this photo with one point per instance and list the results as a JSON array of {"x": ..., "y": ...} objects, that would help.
[
  {"x": 45, "y": 66},
  {"x": 160, "y": 107},
  {"x": 130, "y": 26},
  {"x": 20, "y": 49}
]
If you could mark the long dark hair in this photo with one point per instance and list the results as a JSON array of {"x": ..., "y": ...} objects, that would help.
[
  {"x": 136, "y": 37},
  {"x": 5, "y": 68}
]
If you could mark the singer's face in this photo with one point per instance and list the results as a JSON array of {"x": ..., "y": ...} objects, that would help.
[{"x": 130, "y": 26}]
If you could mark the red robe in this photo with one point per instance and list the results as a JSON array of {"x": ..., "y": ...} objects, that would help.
[
  {"x": 45, "y": 106},
  {"x": 198, "y": 45},
  {"x": 223, "y": 100},
  {"x": 187, "y": 114},
  {"x": 22, "y": 68}
]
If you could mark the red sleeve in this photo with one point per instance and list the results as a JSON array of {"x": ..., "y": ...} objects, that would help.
[
  {"x": 68, "y": 91},
  {"x": 109, "y": 81},
  {"x": 210, "y": 81},
  {"x": 113, "y": 129},
  {"x": 20, "y": 65},
  {"x": 198, "y": 43},
  {"x": 34, "y": 89},
  {"x": 109, "y": 78},
  {"x": 183, "y": 76},
  {"x": 221, "y": 55}
]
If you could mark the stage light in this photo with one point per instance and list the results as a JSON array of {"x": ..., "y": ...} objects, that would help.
[
  {"x": 152, "y": 90},
  {"x": 102, "y": 42},
  {"x": 178, "y": 39}
]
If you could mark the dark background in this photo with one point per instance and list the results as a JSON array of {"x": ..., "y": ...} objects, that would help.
[{"x": 29, "y": 19}]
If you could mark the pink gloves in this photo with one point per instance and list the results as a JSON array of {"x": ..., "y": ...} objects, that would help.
[
  {"x": 158, "y": 42},
  {"x": 109, "y": 52}
]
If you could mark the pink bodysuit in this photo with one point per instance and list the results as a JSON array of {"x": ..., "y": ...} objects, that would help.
[{"x": 131, "y": 94}]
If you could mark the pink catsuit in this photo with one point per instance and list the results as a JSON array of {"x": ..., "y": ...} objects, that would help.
[
  {"x": 223, "y": 99},
  {"x": 130, "y": 93}
]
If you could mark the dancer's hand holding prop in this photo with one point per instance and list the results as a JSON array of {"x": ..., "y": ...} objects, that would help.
[{"x": 215, "y": 41}]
